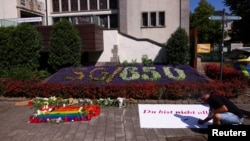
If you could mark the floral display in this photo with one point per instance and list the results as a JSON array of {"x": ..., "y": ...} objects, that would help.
[
  {"x": 57, "y": 110},
  {"x": 124, "y": 75}
]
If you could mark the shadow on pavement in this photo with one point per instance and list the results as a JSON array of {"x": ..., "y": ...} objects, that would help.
[
  {"x": 246, "y": 113},
  {"x": 200, "y": 130},
  {"x": 192, "y": 122},
  {"x": 189, "y": 138}
]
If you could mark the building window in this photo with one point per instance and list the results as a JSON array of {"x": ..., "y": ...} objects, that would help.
[
  {"x": 113, "y": 4},
  {"x": 104, "y": 21},
  {"x": 84, "y": 4},
  {"x": 55, "y": 4},
  {"x": 162, "y": 18},
  {"x": 93, "y": 4},
  {"x": 153, "y": 18},
  {"x": 84, "y": 19},
  {"x": 144, "y": 19},
  {"x": 103, "y": 4},
  {"x": 56, "y": 20},
  {"x": 74, "y": 5},
  {"x": 114, "y": 21},
  {"x": 74, "y": 20},
  {"x": 65, "y": 5}
]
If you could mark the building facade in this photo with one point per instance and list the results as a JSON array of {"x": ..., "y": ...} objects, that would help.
[
  {"x": 150, "y": 19},
  {"x": 147, "y": 19},
  {"x": 13, "y": 12},
  {"x": 131, "y": 28}
]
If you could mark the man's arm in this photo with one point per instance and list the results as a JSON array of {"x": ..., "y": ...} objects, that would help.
[
  {"x": 208, "y": 118},
  {"x": 221, "y": 109},
  {"x": 202, "y": 121}
]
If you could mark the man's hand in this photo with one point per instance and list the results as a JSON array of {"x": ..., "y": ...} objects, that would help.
[
  {"x": 211, "y": 114},
  {"x": 200, "y": 121}
]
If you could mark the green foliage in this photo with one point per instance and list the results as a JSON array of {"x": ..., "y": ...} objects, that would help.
[
  {"x": 65, "y": 46},
  {"x": 209, "y": 31},
  {"x": 5, "y": 49},
  {"x": 106, "y": 102},
  {"x": 20, "y": 52},
  {"x": 241, "y": 28},
  {"x": 24, "y": 74},
  {"x": 146, "y": 61},
  {"x": 25, "y": 45},
  {"x": 178, "y": 48},
  {"x": 126, "y": 63}
]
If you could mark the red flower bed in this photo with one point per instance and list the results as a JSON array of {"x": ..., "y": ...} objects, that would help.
[{"x": 173, "y": 88}]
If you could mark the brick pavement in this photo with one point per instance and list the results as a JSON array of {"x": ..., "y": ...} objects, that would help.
[{"x": 113, "y": 124}]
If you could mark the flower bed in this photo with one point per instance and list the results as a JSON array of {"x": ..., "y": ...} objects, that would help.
[
  {"x": 157, "y": 82},
  {"x": 124, "y": 75}
]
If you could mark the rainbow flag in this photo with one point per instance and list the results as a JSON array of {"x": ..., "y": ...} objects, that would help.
[{"x": 67, "y": 113}]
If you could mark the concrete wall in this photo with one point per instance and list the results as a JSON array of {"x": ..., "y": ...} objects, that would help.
[
  {"x": 6, "y": 9},
  {"x": 185, "y": 12},
  {"x": 175, "y": 12},
  {"x": 11, "y": 9},
  {"x": 118, "y": 47}
]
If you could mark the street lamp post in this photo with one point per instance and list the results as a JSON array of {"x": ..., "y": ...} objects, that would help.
[
  {"x": 46, "y": 7},
  {"x": 223, "y": 18},
  {"x": 222, "y": 44}
]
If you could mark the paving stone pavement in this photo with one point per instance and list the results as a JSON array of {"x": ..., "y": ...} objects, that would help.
[{"x": 113, "y": 124}]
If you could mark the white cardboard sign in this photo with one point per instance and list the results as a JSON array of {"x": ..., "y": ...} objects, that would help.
[{"x": 172, "y": 115}]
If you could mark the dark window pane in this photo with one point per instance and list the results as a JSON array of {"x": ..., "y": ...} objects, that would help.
[
  {"x": 84, "y": 4},
  {"x": 74, "y": 20},
  {"x": 162, "y": 18},
  {"x": 74, "y": 5},
  {"x": 65, "y": 5},
  {"x": 153, "y": 18},
  {"x": 113, "y": 4},
  {"x": 103, "y": 4},
  {"x": 84, "y": 19},
  {"x": 114, "y": 21},
  {"x": 104, "y": 21},
  {"x": 55, "y": 5},
  {"x": 56, "y": 20},
  {"x": 93, "y": 4},
  {"x": 144, "y": 19}
]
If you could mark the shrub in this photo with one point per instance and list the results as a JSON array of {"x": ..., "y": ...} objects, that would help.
[
  {"x": 146, "y": 61},
  {"x": 5, "y": 49},
  {"x": 178, "y": 48},
  {"x": 146, "y": 90},
  {"x": 24, "y": 74},
  {"x": 25, "y": 47},
  {"x": 228, "y": 73},
  {"x": 65, "y": 46}
]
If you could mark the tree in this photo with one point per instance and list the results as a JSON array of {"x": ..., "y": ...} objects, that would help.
[
  {"x": 65, "y": 46},
  {"x": 178, "y": 48},
  {"x": 208, "y": 31},
  {"x": 25, "y": 44},
  {"x": 241, "y": 28}
]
